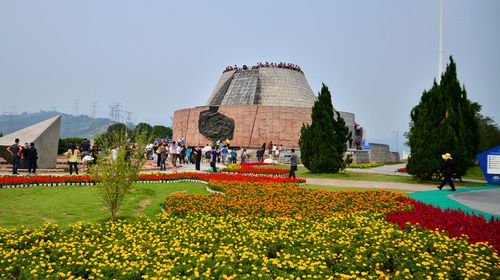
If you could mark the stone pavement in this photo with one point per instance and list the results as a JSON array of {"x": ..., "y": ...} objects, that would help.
[{"x": 369, "y": 184}]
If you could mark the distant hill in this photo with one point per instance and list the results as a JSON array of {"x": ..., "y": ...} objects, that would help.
[{"x": 71, "y": 126}]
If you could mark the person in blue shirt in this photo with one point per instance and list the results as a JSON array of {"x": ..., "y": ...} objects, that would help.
[
  {"x": 224, "y": 155},
  {"x": 213, "y": 160},
  {"x": 233, "y": 156}
]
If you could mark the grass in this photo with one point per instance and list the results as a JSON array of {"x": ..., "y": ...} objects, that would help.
[
  {"x": 335, "y": 188},
  {"x": 65, "y": 205},
  {"x": 474, "y": 173}
]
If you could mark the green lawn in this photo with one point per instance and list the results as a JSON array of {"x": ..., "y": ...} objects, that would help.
[
  {"x": 474, "y": 173},
  {"x": 65, "y": 205}
]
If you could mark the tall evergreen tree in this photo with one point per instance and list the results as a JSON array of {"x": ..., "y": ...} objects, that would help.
[
  {"x": 443, "y": 122},
  {"x": 323, "y": 143}
]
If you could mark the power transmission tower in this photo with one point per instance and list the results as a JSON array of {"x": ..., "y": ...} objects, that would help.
[
  {"x": 94, "y": 117},
  {"x": 76, "y": 107}
]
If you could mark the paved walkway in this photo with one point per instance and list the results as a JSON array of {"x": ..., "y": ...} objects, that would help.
[
  {"x": 474, "y": 200},
  {"x": 384, "y": 169},
  {"x": 369, "y": 184}
]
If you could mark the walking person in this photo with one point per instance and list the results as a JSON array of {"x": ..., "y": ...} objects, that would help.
[
  {"x": 233, "y": 156},
  {"x": 85, "y": 148},
  {"x": 244, "y": 156},
  {"x": 198, "y": 155},
  {"x": 72, "y": 155},
  {"x": 162, "y": 153},
  {"x": 32, "y": 157},
  {"x": 448, "y": 171},
  {"x": 293, "y": 164},
  {"x": 14, "y": 150},
  {"x": 173, "y": 153},
  {"x": 213, "y": 161}
]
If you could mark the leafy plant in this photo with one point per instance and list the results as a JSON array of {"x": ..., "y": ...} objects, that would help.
[{"x": 116, "y": 172}]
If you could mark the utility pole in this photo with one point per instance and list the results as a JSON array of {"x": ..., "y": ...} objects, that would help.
[
  {"x": 94, "y": 117},
  {"x": 397, "y": 139},
  {"x": 76, "y": 107},
  {"x": 129, "y": 114},
  {"x": 441, "y": 41}
]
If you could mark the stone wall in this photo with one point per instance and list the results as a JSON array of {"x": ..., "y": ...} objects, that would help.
[
  {"x": 359, "y": 156},
  {"x": 381, "y": 153},
  {"x": 254, "y": 124}
]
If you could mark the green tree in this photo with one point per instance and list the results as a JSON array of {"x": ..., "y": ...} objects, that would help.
[
  {"x": 323, "y": 143},
  {"x": 64, "y": 144},
  {"x": 160, "y": 132},
  {"x": 143, "y": 128},
  {"x": 443, "y": 122},
  {"x": 1, "y": 134},
  {"x": 119, "y": 128},
  {"x": 489, "y": 133},
  {"x": 117, "y": 171}
]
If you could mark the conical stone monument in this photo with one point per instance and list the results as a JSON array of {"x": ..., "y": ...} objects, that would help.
[{"x": 45, "y": 135}]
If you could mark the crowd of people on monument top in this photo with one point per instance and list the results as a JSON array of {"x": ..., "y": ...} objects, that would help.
[{"x": 290, "y": 66}]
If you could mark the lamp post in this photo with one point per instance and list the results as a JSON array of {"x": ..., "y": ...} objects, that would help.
[{"x": 397, "y": 139}]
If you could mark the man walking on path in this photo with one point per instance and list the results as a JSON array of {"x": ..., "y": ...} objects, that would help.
[
  {"x": 198, "y": 153},
  {"x": 213, "y": 162},
  {"x": 14, "y": 150},
  {"x": 293, "y": 164},
  {"x": 448, "y": 171}
]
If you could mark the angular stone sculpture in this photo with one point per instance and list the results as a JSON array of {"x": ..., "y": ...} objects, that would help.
[
  {"x": 215, "y": 126},
  {"x": 45, "y": 135}
]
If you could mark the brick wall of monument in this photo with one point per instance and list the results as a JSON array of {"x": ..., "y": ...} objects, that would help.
[{"x": 254, "y": 124}]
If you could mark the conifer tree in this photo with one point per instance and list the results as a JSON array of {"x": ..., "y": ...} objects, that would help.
[
  {"x": 444, "y": 121},
  {"x": 323, "y": 143}
]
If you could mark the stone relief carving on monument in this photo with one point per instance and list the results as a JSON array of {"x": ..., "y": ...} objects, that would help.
[{"x": 215, "y": 126}]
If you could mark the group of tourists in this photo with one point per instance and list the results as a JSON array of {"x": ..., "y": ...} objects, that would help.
[
  {"x": 27, "y": 153},
  {"x": 259, "y": 65},
  {"x": 84, "y": 151},
  {"x": 271, "y": 150}
]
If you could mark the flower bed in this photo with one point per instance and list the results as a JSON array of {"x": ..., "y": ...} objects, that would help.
[
  {"x": 49, "y": 180},
  {"x": 24, "y": 181},
  {"x": 226, "y": 247},
  {"x": 402, "y": 170},
  {"x": 364, "y": 165},
  {"x": 281, "y": 199},
  {"x": 454, "y": 222},
  {"x": 238, "y": 168},
  {"x": 255, "y": 163}
]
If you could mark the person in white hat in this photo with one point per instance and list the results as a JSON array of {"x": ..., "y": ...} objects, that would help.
[{"x": 448, "y": 171}]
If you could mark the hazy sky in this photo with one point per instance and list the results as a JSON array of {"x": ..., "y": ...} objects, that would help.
[{"x": 155, "y": 57}]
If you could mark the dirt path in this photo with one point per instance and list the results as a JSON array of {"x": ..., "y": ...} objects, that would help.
[{"x": 142, "y": 205}]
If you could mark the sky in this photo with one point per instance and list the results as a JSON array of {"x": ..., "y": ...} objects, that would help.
[{"x": 155, "y": 57}]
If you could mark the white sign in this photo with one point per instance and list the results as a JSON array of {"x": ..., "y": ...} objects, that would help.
[{"x": 493, "y": 165}]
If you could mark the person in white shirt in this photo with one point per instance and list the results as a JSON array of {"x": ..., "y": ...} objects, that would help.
[{"x": 173, "y": 153}]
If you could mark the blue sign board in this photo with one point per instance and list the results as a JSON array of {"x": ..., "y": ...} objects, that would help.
[
  {"x": 490, "y": 164},
  {"x": 365, "y": 146}
]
